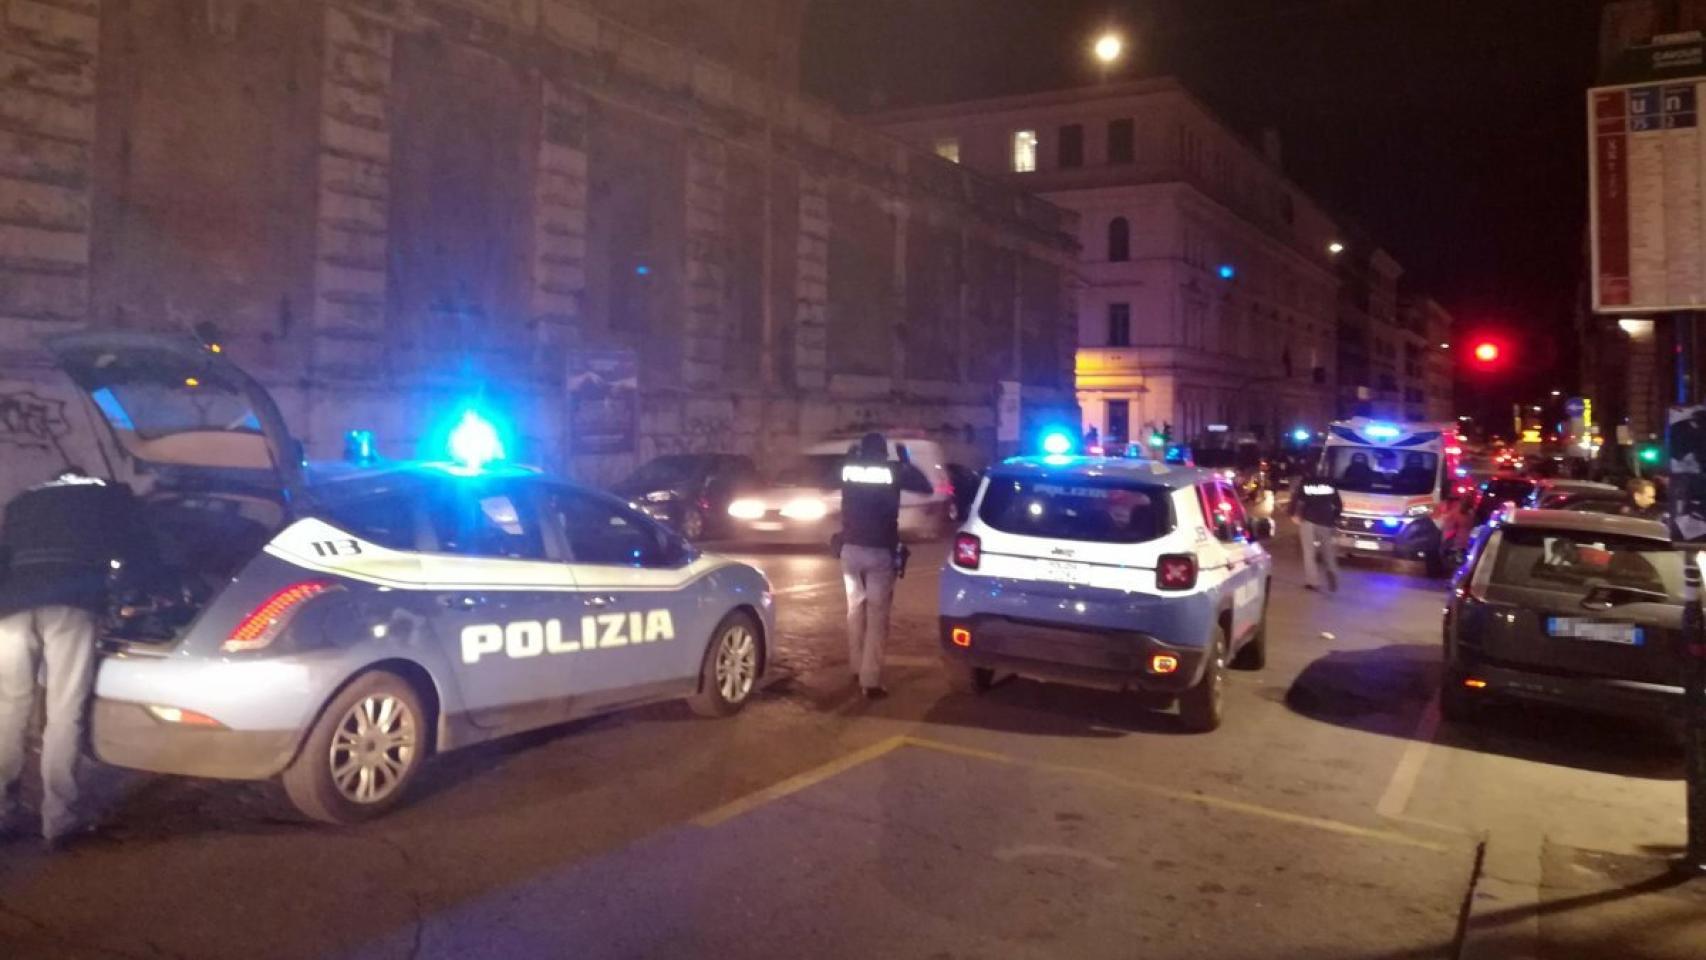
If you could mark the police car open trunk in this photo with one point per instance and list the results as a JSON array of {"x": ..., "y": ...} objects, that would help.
[{"x": 208, "y": 451}]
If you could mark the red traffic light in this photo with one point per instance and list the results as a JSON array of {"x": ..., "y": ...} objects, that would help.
[{"x": 1487, "y": 352}]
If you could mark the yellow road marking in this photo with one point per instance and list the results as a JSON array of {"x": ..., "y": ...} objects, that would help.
[
  {"x": 796, "y": 783},
  {"x": 812, "y": 777}
]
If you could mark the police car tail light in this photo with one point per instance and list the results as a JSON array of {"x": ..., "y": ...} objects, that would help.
[
  {"x": 264, "y": 623},
  {"x": 968, "y": 551},
  {"x": 1178, "y": 572}
]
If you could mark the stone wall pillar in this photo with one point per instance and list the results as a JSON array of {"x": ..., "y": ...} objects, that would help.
[
  {"x": 811, "y": 317},
  {"x": 352, "y": 211},
  {"x": 559, "y": 225},
  {"x": 48, "y": 54},
  {"x": 706, "y": 330}
]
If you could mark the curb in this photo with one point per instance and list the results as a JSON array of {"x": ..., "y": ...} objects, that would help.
[{"x": 1501, "y": 911}]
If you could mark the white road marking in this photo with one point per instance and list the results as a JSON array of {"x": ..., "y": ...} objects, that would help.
[{"x": 1402, "y": 787}]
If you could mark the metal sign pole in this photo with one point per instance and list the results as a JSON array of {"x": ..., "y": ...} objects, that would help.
[{"x": 1685, "y": 494}]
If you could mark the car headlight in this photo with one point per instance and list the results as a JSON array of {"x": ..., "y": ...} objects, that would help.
[
  {"x": 747, "y": 509},
  {"x": 805, "y": 509},
  {"x": 1421, "y": 510},
  {"x": 659, "y": 496}
]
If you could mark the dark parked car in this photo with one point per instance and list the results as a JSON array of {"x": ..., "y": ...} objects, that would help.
[
  {"x": 1497, "y": 492},
  {"x": 965, "y": 481},
  {"x": 1583, "y": 609},
  {"x": 1573, "y": 494},
  {"x": 690, "y": 491}
]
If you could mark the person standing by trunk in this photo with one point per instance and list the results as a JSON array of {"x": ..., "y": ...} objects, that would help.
[
  {"x": 58, "y": 544},
  {"x": 870, "y": 544},
  {"x": 1315, "y": 505}
]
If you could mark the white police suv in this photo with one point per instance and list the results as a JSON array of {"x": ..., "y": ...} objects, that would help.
[
  {"x": 1118, "y": 573},
  {"x": 336, "y": 625}
]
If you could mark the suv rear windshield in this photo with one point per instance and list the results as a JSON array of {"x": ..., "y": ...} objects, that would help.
[
  {"x": 1077, "y": 508},
  {"x": 1576, "y": 563}
]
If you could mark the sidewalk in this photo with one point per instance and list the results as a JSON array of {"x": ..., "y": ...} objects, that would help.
[{"x": 1588, "y": 905}]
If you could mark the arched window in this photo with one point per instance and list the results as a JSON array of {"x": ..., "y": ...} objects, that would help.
[{"x": 1119, "y": 240}]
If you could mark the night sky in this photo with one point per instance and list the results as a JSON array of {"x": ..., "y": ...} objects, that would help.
[{"x": 1452, "y": 131}]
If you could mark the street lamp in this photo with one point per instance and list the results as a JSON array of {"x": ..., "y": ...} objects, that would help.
[
  {"x": 1108, "y": 48},
  {"x": 1335, "y": 248}
]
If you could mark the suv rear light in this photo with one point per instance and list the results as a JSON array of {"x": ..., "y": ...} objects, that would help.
[
  {"x": 264, "y": 623},
  {"x": 968, "y": 551},
  {"x": 961, "y": 636},
  {"x": 1176, "y": 572}
]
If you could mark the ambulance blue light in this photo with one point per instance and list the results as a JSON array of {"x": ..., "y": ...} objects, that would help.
[
  {"x": 1227, "y": 271},
  {"x": 642, "y": 270},
  {"x": 1301, "y": 435},
  {"x": 1057, "y": 443},
  {"x": 474, "y": 441},
  {"x": 1391, "y": 523},
  {"x": 1382, "y": 431}
]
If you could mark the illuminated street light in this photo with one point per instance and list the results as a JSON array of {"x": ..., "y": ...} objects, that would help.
[
  {"x": 1109, "y": 48},
  {"x": 1335, "y": 248},
  {"x": 1557, "y": 393}
]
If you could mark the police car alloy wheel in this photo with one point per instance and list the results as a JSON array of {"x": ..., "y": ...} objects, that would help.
[
  {"x": 693, "y": 523},
  {"x": 1202, "y": 707},
  {"x": 361, "y": 753},
  {"x": 730, "y": 670}
]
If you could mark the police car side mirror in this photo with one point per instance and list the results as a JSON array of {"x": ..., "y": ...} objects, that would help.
[{"x": 1262, "y": 528}]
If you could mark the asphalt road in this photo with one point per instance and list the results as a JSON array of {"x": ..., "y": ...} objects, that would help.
[{"x": 1330, "y": 817}]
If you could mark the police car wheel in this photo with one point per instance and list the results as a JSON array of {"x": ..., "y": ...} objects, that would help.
[
  {"x": 1253, "y": 655},
  {"x": 1202, "y": 707},
  {"x": 693, "y": 523},
  {"x": 729, "y": 674},
  {"x": 965, "y": 678},
  {"x": 361, "y": 753}
]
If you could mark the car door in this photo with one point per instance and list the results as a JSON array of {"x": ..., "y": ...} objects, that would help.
[
  {"x": 1238, "y": 554},
  {"x": 637, "y": 610},
  {"x": 496, "y": 590}
]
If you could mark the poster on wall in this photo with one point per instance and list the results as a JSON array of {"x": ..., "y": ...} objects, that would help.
[
  {"x": 603, "y": 392},
  {"x": 1687, "y": 443}
]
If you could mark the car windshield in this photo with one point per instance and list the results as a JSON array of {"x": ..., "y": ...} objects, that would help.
[
  {"x": 667, "y": 472},
  {"x": 1576, "y": 562},
  {"x": 822, "y": 471},
  {"x": 1382, "y": 470},
  {"x": 1077, "y": 508}
]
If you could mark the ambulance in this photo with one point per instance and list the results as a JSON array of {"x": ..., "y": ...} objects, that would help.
[{"x": 1396, "y": 480}]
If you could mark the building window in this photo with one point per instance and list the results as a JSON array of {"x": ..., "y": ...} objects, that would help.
[
  {"x": 1119, "y": 421},
  {"x": 1119, "y": 240},
  {"x": 1122, "y": 141},
  {"x": 1119, "y": 324},
  {"x": 948, "y": 148},
  {"x": 1071, "y": 146},
  {"x": 1025, "y": 151}
]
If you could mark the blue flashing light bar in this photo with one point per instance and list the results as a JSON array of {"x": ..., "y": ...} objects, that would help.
[
  {"x": 474, "y": 442},
  {"x": 1302, "y": 434},
  {"x": 1228, "y": 271},
  {"x": 1382, "y": 431},
  {"x": 1057, "y": 443}
]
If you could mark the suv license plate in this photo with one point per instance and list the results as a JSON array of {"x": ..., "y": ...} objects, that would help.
[
  {"x": 1368, "y": 544},
  {"x": 1061, "y": 572},
  {"x": 1600, "y": 631}
]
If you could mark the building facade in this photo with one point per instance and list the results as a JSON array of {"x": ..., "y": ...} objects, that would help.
[
  {"x": 616, "y": 225},
  {"x": 1209, "y": 296},
  {"x": 1429, "y": 373}
]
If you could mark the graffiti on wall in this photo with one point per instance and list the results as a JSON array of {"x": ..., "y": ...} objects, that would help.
[{"x": 32, "y": 421}]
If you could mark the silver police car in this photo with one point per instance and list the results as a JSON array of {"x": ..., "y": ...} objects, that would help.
[{"x": 335, "y": 627}]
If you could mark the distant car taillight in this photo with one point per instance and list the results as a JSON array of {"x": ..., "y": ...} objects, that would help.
[
  {"x": 968, "y": 551},
  {"x": 264, "y": 623},
  {"x": 1176, "y": 572}
]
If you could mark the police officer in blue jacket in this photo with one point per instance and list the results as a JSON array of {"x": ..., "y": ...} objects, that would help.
[{"x": 870, "y": 552}]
